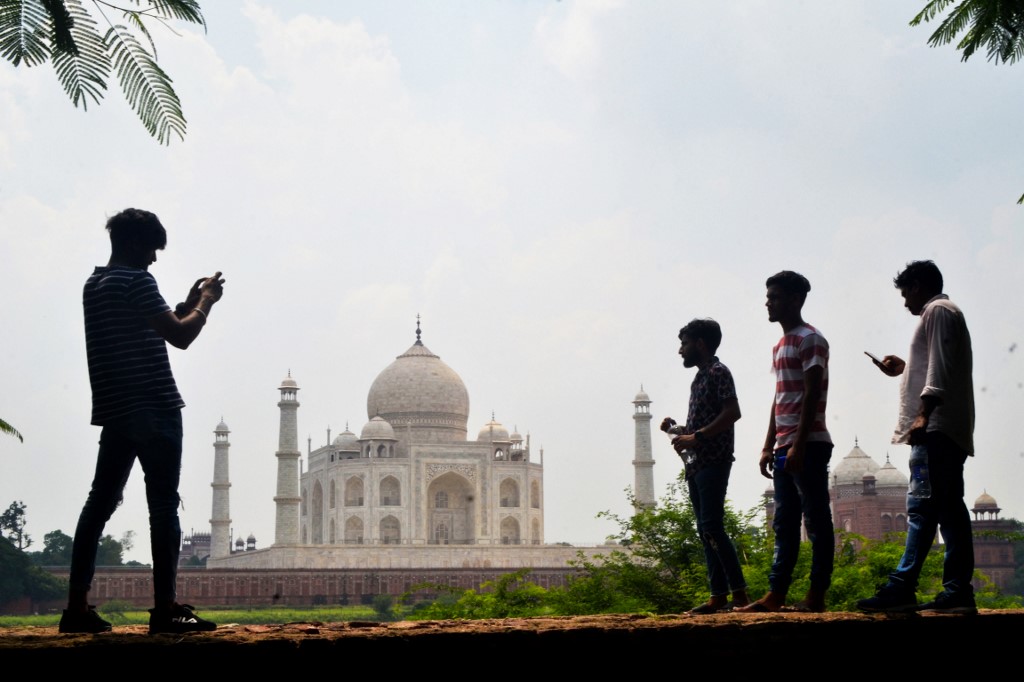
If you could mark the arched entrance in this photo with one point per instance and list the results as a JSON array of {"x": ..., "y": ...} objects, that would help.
[{"x": 450, "y": 511}]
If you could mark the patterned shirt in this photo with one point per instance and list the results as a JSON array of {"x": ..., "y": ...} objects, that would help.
[
  {"x": 797, "y": 351},
  {"x": 710, "y": 389},
  {"x": 128, "y": 365}
]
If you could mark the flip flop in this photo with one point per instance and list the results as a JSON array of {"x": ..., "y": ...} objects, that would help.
[
  {"x": 802, "y": 607},
  {"x": 755, "y": 607},
  {"x": 707, "y": 609}
]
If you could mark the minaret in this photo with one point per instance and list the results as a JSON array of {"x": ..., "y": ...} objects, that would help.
[
  {"x": 643, "y": 462},
  {"x": 220, "y": 524},
  {"x": 286, "y": 529}
]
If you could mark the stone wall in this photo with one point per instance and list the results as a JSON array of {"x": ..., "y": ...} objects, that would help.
[{"x": 204, "y": 587}]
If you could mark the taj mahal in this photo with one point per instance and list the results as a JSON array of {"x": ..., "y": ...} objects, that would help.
[{"x": 411, "y": 491}]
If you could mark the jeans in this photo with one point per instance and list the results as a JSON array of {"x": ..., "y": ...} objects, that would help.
[
  {"x": 804, "y": 493},
  {"x": 707, "y": 496},
  {"x": 945, "y": 509},
  {"x": 154, "y": 437}
]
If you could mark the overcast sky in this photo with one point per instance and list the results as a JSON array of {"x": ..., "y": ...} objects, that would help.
[{"x": 556, "y": 187}]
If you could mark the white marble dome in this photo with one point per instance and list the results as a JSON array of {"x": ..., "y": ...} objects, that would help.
[
  {"x": 420, "y": 391},
  {"x": 494, "y": 431},
  {"x": 851, "y": 469},
  {"x": 346, "y": 441},
  {"x": 890, "y": 476},
  {"x": 377, "y": 429}
]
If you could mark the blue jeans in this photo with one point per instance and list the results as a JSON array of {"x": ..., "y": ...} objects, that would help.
[
  {"x": 803, "y": 494},
  {"x": 154, "y": 437},
  {"x": 945, "y": 509},
  {"x": 707, "y": 496}
]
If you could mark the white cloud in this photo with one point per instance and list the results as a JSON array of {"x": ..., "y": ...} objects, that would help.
[{"x": 571, "y": 39}]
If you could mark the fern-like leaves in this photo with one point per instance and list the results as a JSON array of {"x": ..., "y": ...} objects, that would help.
[
  {"x": 83, "y": 69},
  {"x": 65, "y": 32},
  {"x": 182, "y": 10},
  {"x": 10, "y": 430},
  {"x": 997, "y": 26},
  {"x": 146, "y": 86},
  {"x": 24, "y": 34},
  {"x": 61, "y": 22}
]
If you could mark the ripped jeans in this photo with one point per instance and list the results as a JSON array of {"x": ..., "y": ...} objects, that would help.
[
  {"x": 154, "y": 438},
  {"x": 707, "y": 495}
]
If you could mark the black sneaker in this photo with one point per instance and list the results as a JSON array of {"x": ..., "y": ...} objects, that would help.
[
  {"x": 961, "y": 601},
  {"x": 889, "y": 599},
  {"x": 177, "y": 620},
  {"x": 88, "y": 622}
]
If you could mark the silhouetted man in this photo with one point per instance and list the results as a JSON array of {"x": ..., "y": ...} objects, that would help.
[
  {"x": 797, "y": 448},
  {"x": 706, "y": 443},
  {"x": 134, "y": 398},
  {"x": 937, "y": 420}
]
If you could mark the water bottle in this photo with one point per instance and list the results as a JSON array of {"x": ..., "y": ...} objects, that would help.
[
  {"x": 780, "y": 461},
  {"x": 920, "y": 484},
  {"x": 689, "y": 458}
]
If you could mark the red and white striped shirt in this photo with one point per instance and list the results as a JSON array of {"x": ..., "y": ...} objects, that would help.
[{"x": 798, "y": 351}]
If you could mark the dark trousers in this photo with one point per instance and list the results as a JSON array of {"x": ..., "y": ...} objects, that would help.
[
  {"x": 803, "y": 494},
  {"x": 707, "y": 496},
  {"x": 154, "y": 438}
]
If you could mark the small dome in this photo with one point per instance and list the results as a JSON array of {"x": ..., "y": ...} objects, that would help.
[
  {"x": 288, "y": 382},
  {"x": 493, "y": 431},
  {"x": 240, "y": 543},
  {"x": 346, "y": 441},
  {"x": 251, "y": 538},
  {"x": 642, "y": 396},
  {"x": 851, "y": 469},
  {"x": 890, "y": 477},
  {"x": 985, "y": 501},
  {"x": 377, "y": 429},
  {"x": 222, "y": 427},
  {"x": 515, "y": 437}
]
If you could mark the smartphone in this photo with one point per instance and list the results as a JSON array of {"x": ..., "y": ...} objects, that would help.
[{"x": 873, "y": 357}]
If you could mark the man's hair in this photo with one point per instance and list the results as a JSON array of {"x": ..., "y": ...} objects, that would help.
[
  {"x": 133, "y": 225},
  {"x": 924, "y": 272},
  {"x": 790, "y": 282},
  {"x": 706, "y": 330}
]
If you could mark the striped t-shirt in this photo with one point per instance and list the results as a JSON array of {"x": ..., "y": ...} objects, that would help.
[
  {"x": 799, "y": 350},
  {"x": 128, "y": 365}
]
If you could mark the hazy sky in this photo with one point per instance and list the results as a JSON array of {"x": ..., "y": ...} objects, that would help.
[{"x": 556, "y": 187}]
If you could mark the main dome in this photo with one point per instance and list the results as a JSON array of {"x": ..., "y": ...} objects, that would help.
[{"x": 420, "y": 393}]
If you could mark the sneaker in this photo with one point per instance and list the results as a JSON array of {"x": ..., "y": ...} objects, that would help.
[
  {"x": 889, "y": 599},
  {"x": 961, "y": 601},
  {"x": 177, "y": 620},
  {"x": 88, "y": 622}
]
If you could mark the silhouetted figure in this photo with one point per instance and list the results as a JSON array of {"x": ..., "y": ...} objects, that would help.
[
  {"x": 797, "y": 448},
  {"x": 937, "y": 421},
  {"x": 136, "y": 402},
  {"x": 706, "y": 444}
]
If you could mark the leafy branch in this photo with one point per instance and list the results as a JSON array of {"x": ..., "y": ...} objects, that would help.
[
  {"x": 997, "y": 26},
  {"x": 65, "y": 33},
  {"x": 10, "y": 430}
]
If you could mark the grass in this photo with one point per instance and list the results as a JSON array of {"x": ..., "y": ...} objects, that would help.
[{"x": 325, "y": 614}]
